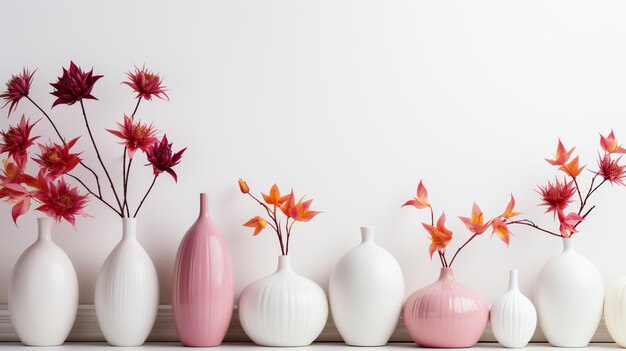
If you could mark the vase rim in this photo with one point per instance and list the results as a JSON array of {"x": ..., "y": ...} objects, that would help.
[{"x": 284, "y": 263}]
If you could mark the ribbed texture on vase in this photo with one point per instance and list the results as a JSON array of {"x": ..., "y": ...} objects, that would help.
[
  {"x": 513, "y": 320},
  {"x": 203, "y": 294},
  {"x": 43, "y": 296},
  {"x": 569, "y": 295},
  {"x": 127, "y": 295},
  {"x": 283, "y": 309},
  {"x": 615, "y": 311},
  {"x": 445, "y": 315},
  {"x": 366, "y": 292}
]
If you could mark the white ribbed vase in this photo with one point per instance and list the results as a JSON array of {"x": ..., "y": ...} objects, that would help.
[
  {"x": 569, "y": 295},
  {"x": 366, "y": 292},
  {"x": 283, "y": 309},
  {"x": 615, "y": 311},
  {"x": 127, "y": 291},
  {"x": 513, "y": 316},
  {"x": 43, "y": 293}
]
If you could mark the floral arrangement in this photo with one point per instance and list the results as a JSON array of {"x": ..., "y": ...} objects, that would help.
[
  {"x": 558, "y": 196},
  {"x": 440, "y": 236},
  {"x": 56, "y": 160},
  {"x": 273, "y": 202}
]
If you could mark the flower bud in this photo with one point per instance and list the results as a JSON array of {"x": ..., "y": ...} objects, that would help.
[{"x": 243, "y": 186}]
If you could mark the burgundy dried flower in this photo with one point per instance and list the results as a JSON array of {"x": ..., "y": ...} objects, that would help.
[
  {"x": 557, "y": 196},
  {"x": 74, "y": 85},
  {"x": 135, "y": 135},
  {"x": 162, "y": 158},
  {"x": 16, "y": 141},
  {"x": 56, "y": 160},
  {"x": 611, "y": 170},
  {"x": 17, "y": 88},
  {"x": 146, "y": 84},
  {"x": 60, "y": 201}
]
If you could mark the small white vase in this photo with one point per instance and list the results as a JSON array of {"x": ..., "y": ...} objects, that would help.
[
  {"x": 615, "y": 311},
  {"x": 366, "y": 293},
  {"x": 283, "y": 309},
  {"x": 43, "y": 296},
  {"x": 569, "y": 295},
  {"x": 127, "y": 291},
  {"x": 513, "y": 316}
]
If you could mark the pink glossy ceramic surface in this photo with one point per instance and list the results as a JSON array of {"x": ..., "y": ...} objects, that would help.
[
  {"x": 203, "y": 293},
  {"x": 446, "y": 314}
]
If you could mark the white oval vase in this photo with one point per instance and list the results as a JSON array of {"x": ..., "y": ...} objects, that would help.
[
  {"x": 43, "y": 296},
  {"x": 615, "y": 311},
  {"x": 366, "y": 292},
  {"x": 569, "y": 295},
  {"x": 513, "y": 317},
  {"x": 283, "y": 309},
  {"x": 127, "y": 291}
]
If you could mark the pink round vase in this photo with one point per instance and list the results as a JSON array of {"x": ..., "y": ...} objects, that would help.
[
  {"x": 445, "y": 314},
  {"x": 203, "y": 293}
]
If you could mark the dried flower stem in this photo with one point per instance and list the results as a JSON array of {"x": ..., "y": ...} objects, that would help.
[
  {"x": 63, "y": 141},
  {"x": 93, "y": 141},
  {"x": 145, "y": 196},
  {"x": 461, "y": 248},
  {"x": 94, "y": 194},
  {"x": 126, "y": 169},
  {"x": 276, "y": 226},
  {"x": 136, "y": 107},
  {"x": 529, "y": 223}
]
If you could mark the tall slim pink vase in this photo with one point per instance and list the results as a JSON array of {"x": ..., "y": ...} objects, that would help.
[
  {"x": 445, "y": 314},
  {"x": 203, "y": 294}
]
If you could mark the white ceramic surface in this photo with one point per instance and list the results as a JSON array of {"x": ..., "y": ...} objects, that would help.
[
  {"x": 615, "y": 311},
  {"x": 366, "y": 292},
  {"x": 127, "y": 291},
  {"x": 43, "y": 295},
  {"x": 283, "y": 309},
  {"x": 513, "y": 317},
  {"x": 569, "y": 295}
]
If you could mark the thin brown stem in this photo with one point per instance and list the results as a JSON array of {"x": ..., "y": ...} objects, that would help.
[
  {"x": 461, "y": 248},
  {"x": 277, "y": 228},
  {"x": 64, "y": 144},
  {"x": 145, "y": 196},
  {"x": 585, "y": 216},
  {"x": 441, "y": 258},
  {"x": 580, "y": 196},
  {"x": 288, "y": 226},
  {"x": 136, "y": 107},
  {"x": 93, "y": 141},
  {"x": 94, "y": 194},
  {"x": 529, "y": 223},
  {"x": 591, "y": 189},
  {"x": 126, "y": 180}
]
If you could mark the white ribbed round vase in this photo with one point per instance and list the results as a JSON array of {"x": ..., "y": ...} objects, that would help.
[
  {"x": 283, "y": 309},
  {"x": 43, "y": 293},
  {"x": 513, "y": 317},
  {"x": 615, "y": 311},
  {"x": 366, "y": 292},
  {"x": 127, "y": 291},
  {"x": 569, "y": 295}
]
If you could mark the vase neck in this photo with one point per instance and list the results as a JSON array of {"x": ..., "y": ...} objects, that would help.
[
  {"x": 129, "y": 228},
  {"x": 44, "y": 226},
  {"x": 204, "y": 205},
  {"x": 446, "y": 274},
  {"x": 568, "y": 244},
  {"x": 513, "y": 281},
  {"x": 284, "y": 263},
  {"x": 367, "y": 235}
]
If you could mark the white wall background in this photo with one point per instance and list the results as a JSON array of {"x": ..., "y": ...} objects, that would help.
[{"x": 350, "y": 102}]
